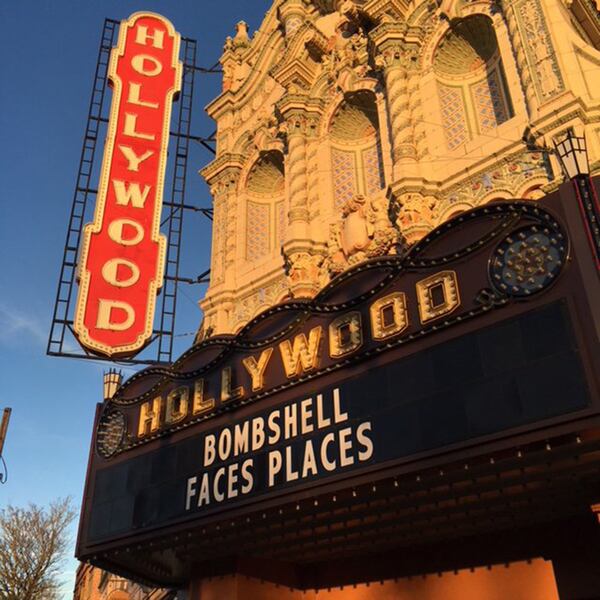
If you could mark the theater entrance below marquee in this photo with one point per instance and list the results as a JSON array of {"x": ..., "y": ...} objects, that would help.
[{"x": 523, "y": 580}]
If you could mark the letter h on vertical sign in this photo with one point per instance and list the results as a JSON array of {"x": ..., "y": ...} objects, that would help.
[{"x": 121, "y": 267}]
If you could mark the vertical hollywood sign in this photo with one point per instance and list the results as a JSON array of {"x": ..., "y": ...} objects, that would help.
[{"x": 123, "y": 253}]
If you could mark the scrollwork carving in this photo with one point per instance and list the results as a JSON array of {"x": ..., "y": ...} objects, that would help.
[
  {"x": 303, "y": 272},
  {"x": 413, "y": 214},
  {"x": 364, "y": 231}
]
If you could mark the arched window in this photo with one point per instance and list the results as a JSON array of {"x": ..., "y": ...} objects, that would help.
[
  {"x": 585, "y": 19},
  {"x": 472, "y": 90},
  {"x": 265, "y": 211},
  {"x": 356, "y": 156}
]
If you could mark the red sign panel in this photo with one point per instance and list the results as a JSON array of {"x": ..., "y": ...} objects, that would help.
[{"x": 123, "y": 252}]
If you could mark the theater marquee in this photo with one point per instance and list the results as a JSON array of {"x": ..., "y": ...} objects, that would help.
[
  {"x": 477, "y": 334},
  {"x": 123, "y": 252}
]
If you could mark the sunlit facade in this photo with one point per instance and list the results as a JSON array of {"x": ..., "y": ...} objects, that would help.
[
  {"x": 95, "y": 584},
  {"x": 347, "y": 132},
  {"x": 350, "y": 129}
]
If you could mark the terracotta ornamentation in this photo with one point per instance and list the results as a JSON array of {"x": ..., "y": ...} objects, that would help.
[
  {"x": 364, "y": 231},
  {"x": 376, "y": 121}
]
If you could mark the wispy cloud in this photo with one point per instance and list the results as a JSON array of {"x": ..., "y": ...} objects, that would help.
[{"x": 16, "y": 325}]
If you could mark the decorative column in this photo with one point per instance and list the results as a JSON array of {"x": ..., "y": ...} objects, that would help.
[
  {"x": 231, "y": 180},
  {"x": 218, "y": 190},
  {"x": 313, "y": 120},
  {"x": 222, "y": 176},
  {"x": 398, "y": 102},
  {"x": 223, "y": 188},
  {"x": 227, "y": 198},
  {"x": 292, "y": 14},
  {"x": 416, "y": 116},
  {"x": 312, "y": 164},
  {"x": 392, "y": 59},
  {"x": 301, "y": 263},
  {"x": 296, "y": 122},
  {"x": 509, "y": 8},
  {"x": 318, "y": 231}
]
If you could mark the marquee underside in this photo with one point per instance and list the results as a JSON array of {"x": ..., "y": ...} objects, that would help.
[{"x": 487, "y": 508}]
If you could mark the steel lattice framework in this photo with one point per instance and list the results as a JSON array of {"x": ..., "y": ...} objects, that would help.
[{"x": 62, "y": 340}]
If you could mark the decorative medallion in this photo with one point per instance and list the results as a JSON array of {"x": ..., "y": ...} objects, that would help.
[
  {"x": 111, "y": 431},
  {"x": 528, "y": 261}
]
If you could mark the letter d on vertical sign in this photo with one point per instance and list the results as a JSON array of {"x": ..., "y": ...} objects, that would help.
[{"x": 122, "y": 260}]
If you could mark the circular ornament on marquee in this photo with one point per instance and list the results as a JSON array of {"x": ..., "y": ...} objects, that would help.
[
  {"x": 528, "y": 261},
  {"x": 111, "y": 432}
]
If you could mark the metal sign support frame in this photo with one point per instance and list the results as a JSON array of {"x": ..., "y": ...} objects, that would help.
[{"x": 62, "y": 340}]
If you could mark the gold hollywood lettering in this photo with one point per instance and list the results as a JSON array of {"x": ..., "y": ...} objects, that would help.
[
  {"x": 302, "y": 355},
  {"x": 438, "y": 295},
  {"x": 227, "y": 393},
  {"x": 345, "y": 334},
  {"x": 257, "y": 368},
  {"x": 149, "y": 417},
  {"x": 177, "y": 405},
  {"x": 200, "y": 404},
  {"x": 389, "y": 316}
]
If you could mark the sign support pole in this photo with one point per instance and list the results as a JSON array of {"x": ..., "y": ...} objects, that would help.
[{"x": 4, "y": 427}]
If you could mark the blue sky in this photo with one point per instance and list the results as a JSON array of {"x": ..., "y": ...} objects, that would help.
[{"x": 48, "y": 51}]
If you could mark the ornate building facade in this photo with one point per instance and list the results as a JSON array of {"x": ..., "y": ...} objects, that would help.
[
  {"x": 92, "y": 583},
  {"x": 348, "y": 129}
]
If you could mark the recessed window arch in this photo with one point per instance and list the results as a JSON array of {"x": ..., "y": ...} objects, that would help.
[
  {"x": 472, "y": 90},
  {"x": 585, "y": 19},
  {"x": 265, "y": 206},
  {"x": 356, "y": 154}
]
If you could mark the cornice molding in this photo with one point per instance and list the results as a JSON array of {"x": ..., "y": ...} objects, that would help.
[
  {"x": 387, "y": 9},
  {"x": 225, "y": 162}
]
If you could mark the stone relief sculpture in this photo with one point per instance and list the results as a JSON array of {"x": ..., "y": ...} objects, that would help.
[
  {"x": 364, "y": 231},
  {"x": 415, "y": 209},
  {"x": 539, "y": 49},
  {"x": 303, "y": 272}
]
